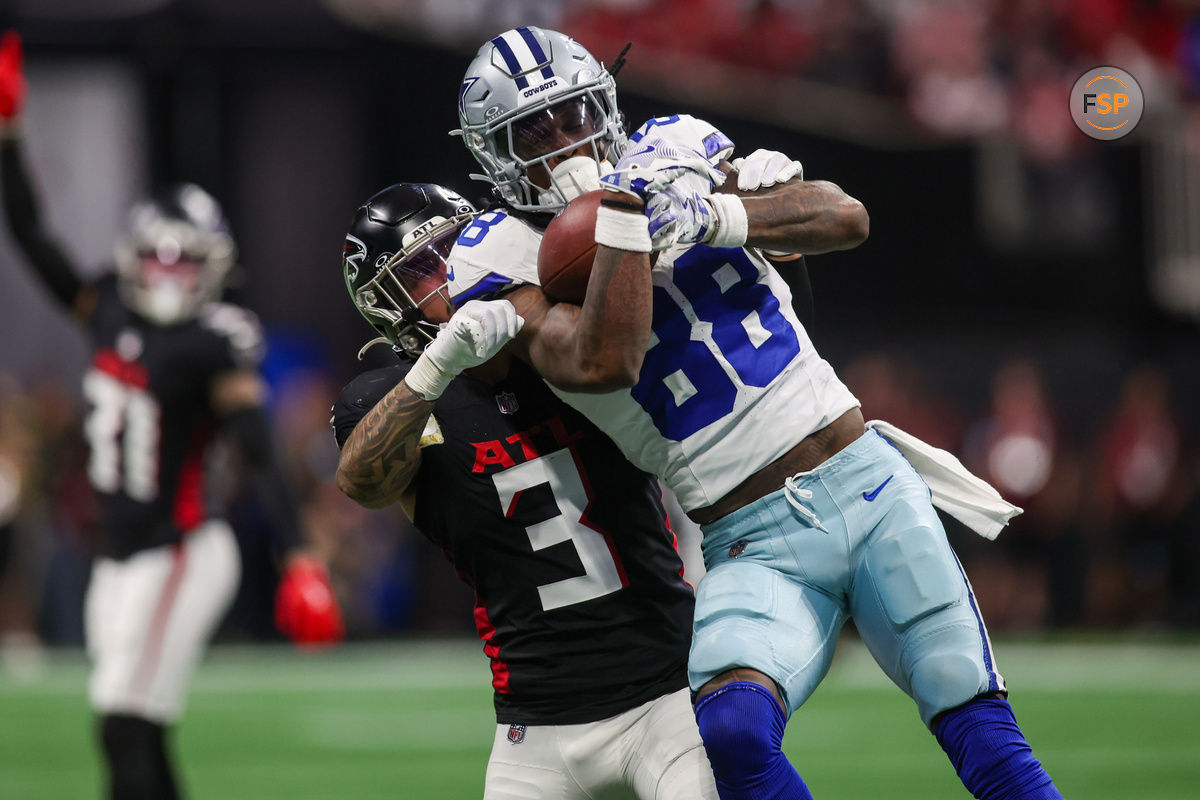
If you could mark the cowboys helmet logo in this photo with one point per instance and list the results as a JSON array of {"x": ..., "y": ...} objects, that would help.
[{"x": 462, "y": 94}]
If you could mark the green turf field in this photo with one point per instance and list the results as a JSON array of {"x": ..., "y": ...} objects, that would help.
[{"x": 414, "y": 721}]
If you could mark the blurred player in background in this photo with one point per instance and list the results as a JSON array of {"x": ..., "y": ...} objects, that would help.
[
  {"x": 579, "y": 590},
  {"x": 808, "y": 518},
  {"x": 171, "y": 368}
]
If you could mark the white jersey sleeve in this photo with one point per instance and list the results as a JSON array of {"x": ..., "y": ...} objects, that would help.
[
  {"x": 686, "y": 130},
  {"x": 497, "y": 251}
]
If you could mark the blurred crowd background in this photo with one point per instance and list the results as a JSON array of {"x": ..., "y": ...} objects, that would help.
[{"x": 1029, "y": 298}]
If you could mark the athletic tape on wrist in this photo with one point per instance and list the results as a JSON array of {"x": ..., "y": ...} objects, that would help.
[
  {"x": 732, "y": 225},
  {"x": 427, "y": 380},
  {"x": 622, "y": 230}
]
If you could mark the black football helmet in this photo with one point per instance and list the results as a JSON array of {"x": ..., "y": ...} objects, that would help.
[
  {"x": 176, "y": 254},
  {"x": 394, "y": 259}
]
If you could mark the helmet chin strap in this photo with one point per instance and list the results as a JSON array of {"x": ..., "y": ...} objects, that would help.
[
  {"x": 573, "y": 177},
  {"x": 377, "y": 340}
]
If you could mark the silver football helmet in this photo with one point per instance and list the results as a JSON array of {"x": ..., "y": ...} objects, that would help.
[
  {"x": 175, "y": 255},
  {"x": 529, "y": 97}
]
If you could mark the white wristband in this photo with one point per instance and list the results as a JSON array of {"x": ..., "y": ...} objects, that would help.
[
  {"x": 623, "y": 230},
  {"x": 732, "y": 225},
  {"x": 427, "y": 380}
]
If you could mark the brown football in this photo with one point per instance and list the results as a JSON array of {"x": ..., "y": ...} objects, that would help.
[{"x": 568, "y": 249}]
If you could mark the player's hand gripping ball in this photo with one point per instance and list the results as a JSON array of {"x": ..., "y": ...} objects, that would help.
[
  {"x": 306, "y": 609},
  {"x": 568, "y": 249}
]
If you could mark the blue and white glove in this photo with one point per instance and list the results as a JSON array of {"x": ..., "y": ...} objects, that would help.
[
  {"x": 672, "y": 181},
  {"x": 764, "y": 168},
  {"x": 475, "y": 333},
  {"x": 680, "y": 214},
  {"x": 655, "y": 163}
]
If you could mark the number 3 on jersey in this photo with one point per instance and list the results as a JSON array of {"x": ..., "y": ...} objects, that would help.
[
  {"x": 601, "y": 573},
  {"x": 122, "y": 434},
  {"x": 688, "y": 384}
]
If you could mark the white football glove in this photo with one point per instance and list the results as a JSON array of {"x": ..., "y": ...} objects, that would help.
[
  {"x": 475, "y": 333},
  {"x": 765, "y": 168}
]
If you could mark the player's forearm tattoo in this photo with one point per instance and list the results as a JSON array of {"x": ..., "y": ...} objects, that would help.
[
  {"x": 381, "y": 456},
  {"x": 806, "y": 217}
]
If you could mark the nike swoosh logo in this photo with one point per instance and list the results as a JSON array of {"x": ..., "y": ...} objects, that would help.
[{"x": 870, "y": 496}]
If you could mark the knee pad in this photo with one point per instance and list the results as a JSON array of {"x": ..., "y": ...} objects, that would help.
[
  {"x": 949, "y": 677},
  {"x": 732, "y": 620},
  {"x": 742, "y": 727},
  {"x": 990, "y": 754}
]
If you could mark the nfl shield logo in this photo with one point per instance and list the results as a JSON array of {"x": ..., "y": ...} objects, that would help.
[
  {"x": 516, "y": 733},
  {"x": 507, "y": 402}
]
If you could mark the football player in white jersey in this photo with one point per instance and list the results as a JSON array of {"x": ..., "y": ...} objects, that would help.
[{"x": 700, "y": 372}]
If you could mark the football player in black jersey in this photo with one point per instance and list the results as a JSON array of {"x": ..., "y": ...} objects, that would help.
[
  {"x": 171, "y": 368},
  {"x": 579, "y": 593}
]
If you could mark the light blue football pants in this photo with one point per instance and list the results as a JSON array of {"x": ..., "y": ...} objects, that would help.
[{"x": 855, "y": 537}]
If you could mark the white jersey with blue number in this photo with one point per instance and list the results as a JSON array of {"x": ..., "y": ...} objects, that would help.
[
  {"x": 730, "y": 381},
  {"x": 494, "y": 252}
]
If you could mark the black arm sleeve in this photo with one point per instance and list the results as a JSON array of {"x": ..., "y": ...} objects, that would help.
[
  {"x": 24, "y": 221},
  {"x": 250, "y": 430}
]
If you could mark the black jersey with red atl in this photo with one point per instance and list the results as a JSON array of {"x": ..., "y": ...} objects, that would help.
[
  {"x": 579, "y": 595},
  {"x": 150, "y": 419}
]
